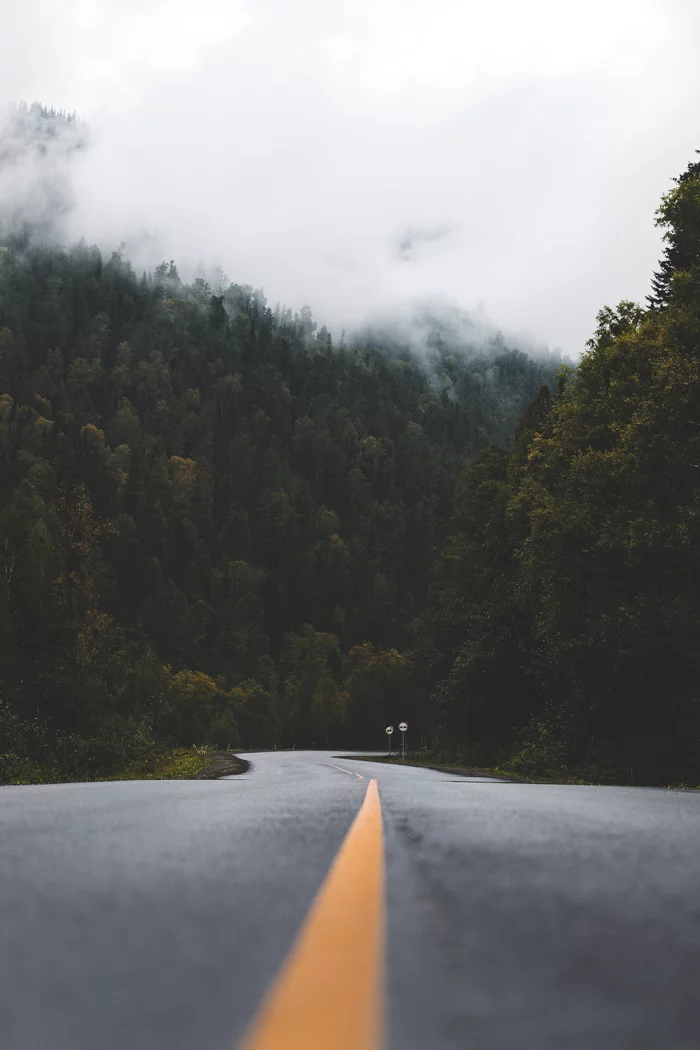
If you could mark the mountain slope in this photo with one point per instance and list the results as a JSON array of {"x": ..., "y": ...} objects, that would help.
[
  {"x": 215, "y": 525},
  {"x": 564, "y": 622}
]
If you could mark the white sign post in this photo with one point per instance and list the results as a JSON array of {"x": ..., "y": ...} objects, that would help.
[
  {"x": 403, "y": 726},
  {"x": 390, "y": 730}
]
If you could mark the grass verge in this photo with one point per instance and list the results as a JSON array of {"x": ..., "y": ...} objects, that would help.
[
  {"x": 194, "y": 763},
  {"x": 440, "y": 767},
  {"x": 182, "y": 763},
  {"x": 587, "y": 776}
]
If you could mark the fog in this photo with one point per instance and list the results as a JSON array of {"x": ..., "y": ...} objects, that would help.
[{"x": 358, "y": 155}]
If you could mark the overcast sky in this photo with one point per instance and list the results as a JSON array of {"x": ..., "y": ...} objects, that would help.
[{"x": 353, "y": 154}]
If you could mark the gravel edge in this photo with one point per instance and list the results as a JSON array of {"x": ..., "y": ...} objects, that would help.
[{"x": 222, "y": 764}]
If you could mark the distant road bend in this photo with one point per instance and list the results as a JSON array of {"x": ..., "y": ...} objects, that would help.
[{"x": 329, "y": 903}]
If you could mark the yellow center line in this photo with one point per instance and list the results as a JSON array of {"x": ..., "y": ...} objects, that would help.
[
  {"x": 329, "y": 994},
  {"x": 350, "y": 771}
]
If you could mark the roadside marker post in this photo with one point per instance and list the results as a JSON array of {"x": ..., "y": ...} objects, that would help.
[
  {"x": 390, "y": 730},
  {"x": 403, "y": 726}
]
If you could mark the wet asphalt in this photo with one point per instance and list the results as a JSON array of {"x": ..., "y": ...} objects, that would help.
[{"x": 153, "y": 915}]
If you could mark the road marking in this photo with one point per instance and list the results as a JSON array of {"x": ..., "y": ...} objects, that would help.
[
  {"x": 329, "y": 994},
  {"x": 350, "y": 771}
]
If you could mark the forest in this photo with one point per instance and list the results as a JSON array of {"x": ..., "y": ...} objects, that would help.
[
  {"x": 562, "y": 624},
  {"x": 220, "y": 527},
  {"x": 216, "y": 526}
]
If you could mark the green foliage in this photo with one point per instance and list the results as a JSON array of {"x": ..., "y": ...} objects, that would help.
[
  {"x": 180, "y": 764},
  {"x": 207, "y": 510},
  {"x": 564, "y": 622},
  {"x": 217, "y": 528}
]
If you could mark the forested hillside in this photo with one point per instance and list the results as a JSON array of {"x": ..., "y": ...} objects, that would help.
[
  {"x": 564, "y": 622},
  {"x": 219, "y": 527},
  {"x": 215, "y": 525}
]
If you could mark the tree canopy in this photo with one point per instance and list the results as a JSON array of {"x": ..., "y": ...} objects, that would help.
[
  {"x": 219, "y": 527},
  {"x": 216, "y": 526},
  {"x": 563, "y": 622}
]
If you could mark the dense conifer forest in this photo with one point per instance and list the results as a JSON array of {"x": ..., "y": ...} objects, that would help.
[
  {"x": 217, "y": 527},
  {"x": 563, "y": 623},
  {"x": 220, "y": 527}
]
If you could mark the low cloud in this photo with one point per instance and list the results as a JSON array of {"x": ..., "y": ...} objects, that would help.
[
  {"x": 362, "y": 157},
  {"x": 415, "y": 239}
]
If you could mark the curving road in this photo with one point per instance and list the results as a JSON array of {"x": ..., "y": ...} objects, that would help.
[{"x": 154, "y": 915}]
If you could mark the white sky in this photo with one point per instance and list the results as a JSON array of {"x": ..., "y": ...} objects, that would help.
[{"x": 296, "y": 143}]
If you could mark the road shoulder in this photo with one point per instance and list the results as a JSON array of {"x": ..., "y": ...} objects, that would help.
[{"x": 222, "y": 764}]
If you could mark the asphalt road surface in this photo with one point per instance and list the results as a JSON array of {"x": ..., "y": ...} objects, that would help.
[{"x": 154, "y": 915}]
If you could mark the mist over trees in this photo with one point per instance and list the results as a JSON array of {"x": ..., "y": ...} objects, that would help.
[
  {"x": 216, "y": 526},
  {"x": 563, "y": 621},
  {"x": 219, "y": 525},
  {"x": 37, "y": 146}
]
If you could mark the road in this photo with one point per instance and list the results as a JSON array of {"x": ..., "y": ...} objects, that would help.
[{"x": 154, "y": 915}]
